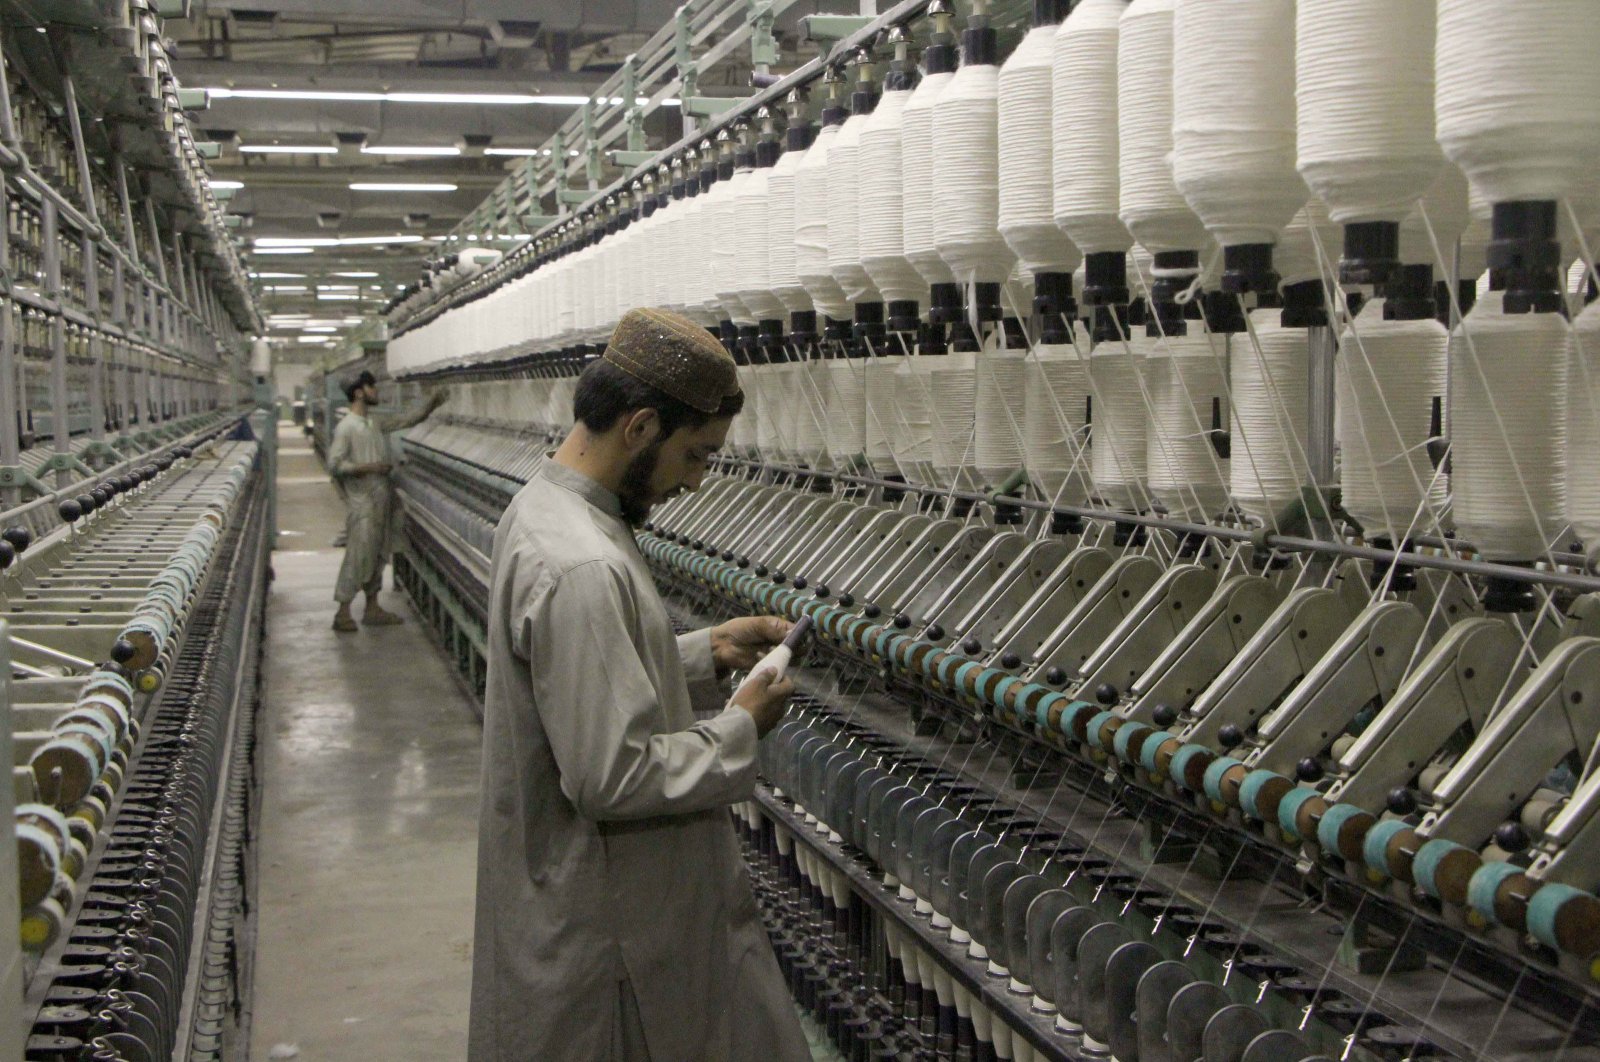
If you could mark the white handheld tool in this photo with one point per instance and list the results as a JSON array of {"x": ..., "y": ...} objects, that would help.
[{"x": 777, "y": 661}]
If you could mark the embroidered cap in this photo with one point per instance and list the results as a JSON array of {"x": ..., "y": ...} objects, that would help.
[{"x": 673, "y": 354}]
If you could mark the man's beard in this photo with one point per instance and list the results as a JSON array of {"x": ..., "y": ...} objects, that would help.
[{"x": 635, "y": 491}]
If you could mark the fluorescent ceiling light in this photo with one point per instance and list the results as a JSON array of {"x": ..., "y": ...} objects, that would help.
[
  {"x": 293, "y": 94},
  {"x": 331, "y": 296},
  {"x": 489, "y": 99},
  {"x": 289, "y": 149},
  {"x": 482, "y": 99},
  {"x": 357, "y": 275},
  {"x": 284, "y": 287},
  {"x": 314, "y": 339},
  {"x": 271, "y": 244},
  {"x": 337, "y": 287},
  {"x": 510, "y": 151},
  {"x": 283, "y": 250},
  {"x": 278, "y": 276},
  {"x": 399, "y": 186},
  {"x": 319, "y": 328},
  {"x": 225, "y": 185},
  {"x": 414, "y": 149}
]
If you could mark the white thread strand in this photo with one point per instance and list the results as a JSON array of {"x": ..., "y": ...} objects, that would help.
[
  {"x": 1084, "y": 128},
  {"x": 1233, "y": 132},
  {"x": 1118, "y": 444},
  {"x": 1389, "y": 374},
  {"x": 882, "y": 203},
  {"x": 1508, "y": 407},
  {"x": 1364, "y": 97},
  {"x": 811, "y": 227},
  {"x": 1026, "y": 213},
  {"x": 1150, "y": 204},
  {"x": 1295, "y": 257},
  {"x": 1185, "y": 378},
  {"x": 808, "y": 395},
  {"x": 781, "y": 234},
  {"x": 1583, "y": 430},
  {"x": 1446, "y": 205},
  {"x": 1268, "y": 387},
  {"x": 1515, "y": 95},
  {"x": 844, "y": 209},
  {"x": 916, "y": 162},
  {"x": 1055, "y": 415},
  {"x": 846, "y": 420},
  {"x": 966, "y": 178}
]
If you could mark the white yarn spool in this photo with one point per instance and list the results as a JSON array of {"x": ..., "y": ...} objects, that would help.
[
  {"x": 811, "y": 194},
  {"x": 1084, "y": 128},
  {"x": 1117, "y": 441},
  {"x": 916, "y": 163},
  {"x": 912, "y": 439},
  {"x": 1056, "y": 408},
  {"x": 725, "y": 251},
  {"x": 1001, "y": 377},
  {"x": 770, "y": 416},
  {"x": 1583, "y": 430},
  {"x": 879, "y": 381},
  {"x": 1364, "y": 105},
  {"x": 1026, "y": 211},
  {"x": 966, "y": 177},
  {"x": 1150, "y": 204},
  {"x": 1233, "y": 131},
  {"x": 1295, "y": 258},
  {"x": 782, "y": 278},
  {"x": 810, "y": 396},
  {"x": 753, "y": 240},
  {"x": 846, "y": 427},
  {"x": 1508, "y": 371},
  {"x": 881, "y": 205},
  {"x": 1515, "y": 95},
  {"x": 844, "y": 213},
  {"x": 1268, "y": 384},
  {"x": 1186, "y": 378},
  {"x": 1389, "y": 374},
  {"x": 745, "y": 430},
  {"x": 952, "y": 393}
]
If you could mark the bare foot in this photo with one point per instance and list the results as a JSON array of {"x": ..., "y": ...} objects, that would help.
[{"x": 380, "y": 617}]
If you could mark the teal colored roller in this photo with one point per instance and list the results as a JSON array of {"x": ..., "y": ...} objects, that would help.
[
  {"x": 1250, "y": 790},
  {"x": 1075, "y": 711},
  {"x": 997, "y": 696},
  {"x": 1180, "y": 761},
  {"x": 1124, "y": 738},
  {"x": 1147, "y": 754},
  {"x": 1425, "y": 867},
  {"x": 1212, "y": 780},
  {"x": 1289, "y": 808},
  {"x": 1485, "y": 883},
  {"x": 1097, "y": 725},
  {"x": 1332, "y": 821},
  {"x": 960, "y": 677},
  {"x": 1041, "y": 711},
  {"x": 1375, "y": 845},
  {"x": 1544, "y": 907}
]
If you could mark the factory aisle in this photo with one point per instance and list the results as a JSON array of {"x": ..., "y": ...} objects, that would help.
[{"x": 369, "y": 770}]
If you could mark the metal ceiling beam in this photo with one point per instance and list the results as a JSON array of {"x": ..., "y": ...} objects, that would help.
[
  {"x": 368, "y": 77},
  {"x": 591, "y": 16}
]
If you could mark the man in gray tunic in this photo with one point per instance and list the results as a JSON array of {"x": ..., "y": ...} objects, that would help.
[
  {"x": 360, "y": 461},
  {"x": 614, "y": 915}
]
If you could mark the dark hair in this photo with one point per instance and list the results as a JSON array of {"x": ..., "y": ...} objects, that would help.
[
  {"x": 352, "y": 386},
  {"x": 606, "y": 392}
]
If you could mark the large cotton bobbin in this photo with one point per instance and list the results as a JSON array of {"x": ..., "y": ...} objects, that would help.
[
  {"x": 1187, "y": 381},
  {"x": 844, "y": 210},
  {"x": 1583, "y": 430},
  {"x": 807, "y": 393},
  {"x": 753, "y": 239},
  {"x": 881, "y": 216},
  {"x": 1084, "y": 128},
  {"x": 1118, "y": 428},
  {"x": 1001, "y": 380},
  {"x": 1056, "y": 415},
  {"x": 1268, "y": 372},
  {"x": 912, "y": 438},
  {"x": 723, "y": 214},
  {"x": 843, "y": 382},
  {"x": 1233, "y": 124},
  {"x": 1508, "y": 412},
  {"x": 811, "y": 193},
  {"x": 916, "y": 162},
  {"x": 952, "y": 394},
  {"x": 879, "y": 383},
  {"x": 1390, "y": 381},
  {"x": 783, "y": 278},
  {"x": 1150, "y": 204},
  {"x": 1026, "y": 211}
]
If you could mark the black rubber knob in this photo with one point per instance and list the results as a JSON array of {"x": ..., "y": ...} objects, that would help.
[
  {"x": 69, "y": 510},
  {"x": 871, "y": 611},
  {"x": 1511, "y": 837},
  {"x": 19, "y": 537},
  {"x": 779, "y": 578},
  {"x": 1230, "y": 736},
  {"x": 697, "y": 545},
  {"x": 846, "y": 600},
  {"x": 744, "y": 562},
  {"x": 1011, "y": 661},
  {"x": 934, "y": 632},
  {"x": 1055, "y": 677},
  {"x": 649, "y": 525},
  {"x": 1106, "y": 694},
  {"x": 727, "y": 555},
  {"x": 1402, "y": 801},
  {"x": 7, "y": 553},
  {"x": 128, "y": 482},
  {"x": 761, "y": 570},
  {"x": 122, "y": 651},
  {"x": 901, "y": 621},
  {"x": 100, "y": 497},
  {"x": 1308, "y": 770},
  {"x": 972, "y": 647},
  {"x": 164, "y": 462},
  {"x": 87, "y": 504},
  {"x": 822, "y": 593},
  {"x": 799, "y": 582},
  {"x": 1164, "y": 715}
]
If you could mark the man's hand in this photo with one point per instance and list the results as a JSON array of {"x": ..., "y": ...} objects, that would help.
[
  {"x": 765, "y": 699},
  {"x": 741, "y": 643}
]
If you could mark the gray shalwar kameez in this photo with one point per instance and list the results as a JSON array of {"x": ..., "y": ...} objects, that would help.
[
  {"x": 614, "y": 915},
  {"x": 369, "y": 497}
]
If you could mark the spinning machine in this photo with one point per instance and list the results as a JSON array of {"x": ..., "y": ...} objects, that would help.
[{"x": 1180, "y": 420}]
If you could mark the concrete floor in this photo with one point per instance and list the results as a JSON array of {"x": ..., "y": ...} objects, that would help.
[{"x": 369, "y": 769}]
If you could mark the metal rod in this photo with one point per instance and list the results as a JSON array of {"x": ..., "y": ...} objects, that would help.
[{"x": 80, "y": 152}]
